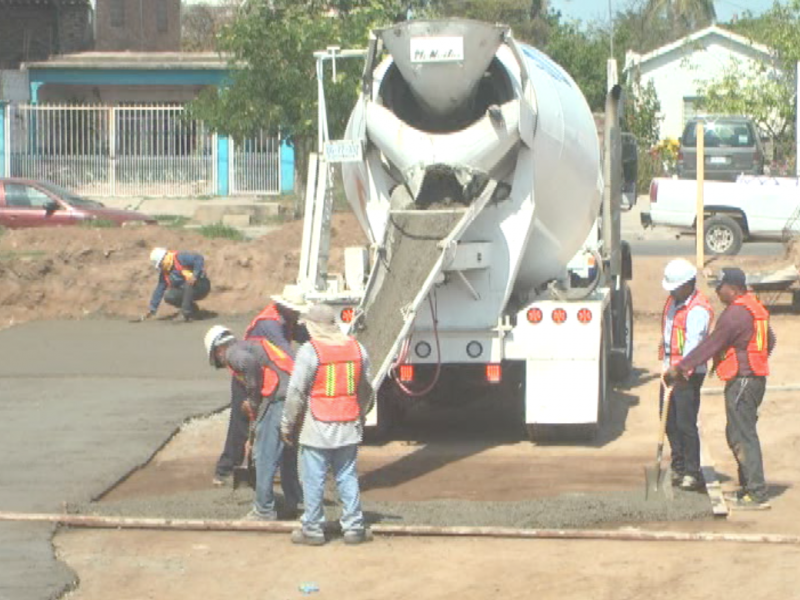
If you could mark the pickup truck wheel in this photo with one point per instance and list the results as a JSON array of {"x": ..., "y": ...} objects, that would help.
[{"x": 722, "y": 235}]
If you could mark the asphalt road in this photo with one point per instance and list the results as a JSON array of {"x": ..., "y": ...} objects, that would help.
[
  {"x": 58, "y": 382},
  {"x": 686, "y": 246}
]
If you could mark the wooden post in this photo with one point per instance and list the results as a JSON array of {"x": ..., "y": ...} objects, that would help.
[{"x": 701, "y": 151}]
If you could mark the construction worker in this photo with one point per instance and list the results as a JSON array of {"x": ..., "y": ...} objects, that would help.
[
  {"x": 329, "y": 395},
  {"x": 263, "y": 369},
  {"x": 278, "y": 324},
  {"x": 182, "y": 281},
  {"x": 740, "y": 345},
  {"x": 685, "y": 322}
]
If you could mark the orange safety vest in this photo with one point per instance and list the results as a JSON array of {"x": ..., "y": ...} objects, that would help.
[
  {"x": 270, "y": 313},
  {"x": 334, "y": 394},
  {"x": 271, "y": 378},
  {"x": 176, "y": 265},
  {"x": 678, "y": 336},
  {"x": 727, "y": 366}
]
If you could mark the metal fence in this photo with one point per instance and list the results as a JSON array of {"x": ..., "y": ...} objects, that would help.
[
  {"x": 255, "y": 165},
  {"x": 132, "y": 151}
]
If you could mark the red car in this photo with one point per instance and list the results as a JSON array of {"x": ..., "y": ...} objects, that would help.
[{"x": 31, "y": 203}]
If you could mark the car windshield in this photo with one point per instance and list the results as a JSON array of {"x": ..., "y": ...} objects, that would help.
[
  {"x": 69, "y": 197},
  {"x": 720, "y": 133}
]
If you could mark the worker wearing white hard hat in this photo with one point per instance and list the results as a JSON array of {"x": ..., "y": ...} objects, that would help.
[
  {"x": 182, "y": 282},
  {"x": 685, "y": 322},
  {"x": 264, "y": 371},
  {"x": 278, "y": 323}
]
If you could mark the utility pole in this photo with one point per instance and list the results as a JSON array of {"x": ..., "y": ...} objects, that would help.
[
  {"x": 700, "y": 233},
  {"x": 611, "y": 18}
]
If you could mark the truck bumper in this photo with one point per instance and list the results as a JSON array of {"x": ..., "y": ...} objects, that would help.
[{"x": 646, "y": 219}]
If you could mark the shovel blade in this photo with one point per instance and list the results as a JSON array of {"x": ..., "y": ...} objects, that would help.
[
  {"x": 244, "y": 475},
  {"x": 658, "y": 483}
]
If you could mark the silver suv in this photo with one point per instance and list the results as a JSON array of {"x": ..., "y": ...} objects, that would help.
[{"x": 732, "y": 147}]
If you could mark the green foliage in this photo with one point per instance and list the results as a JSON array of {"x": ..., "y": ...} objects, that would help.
[
  {"x": 98, "y": 224},
  {"x": 683, "y": 16},
  {"x": 650, "y": 166},
  {"x": 172, "y": 221},
  {"x": 273, "y": 84},
  {"x": 641, "y": 116},
  {"x": 220, "y": 230},
  {"x": 761, "y": 94}
]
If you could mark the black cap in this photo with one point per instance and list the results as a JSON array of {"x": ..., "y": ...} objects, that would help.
[{"x": 732, "y": 276}]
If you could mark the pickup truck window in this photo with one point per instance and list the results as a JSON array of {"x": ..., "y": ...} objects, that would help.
[{"x": 25, "y": 196}]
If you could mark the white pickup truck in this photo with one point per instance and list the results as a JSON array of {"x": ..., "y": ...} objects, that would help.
[{"x": 749, "y": 209}]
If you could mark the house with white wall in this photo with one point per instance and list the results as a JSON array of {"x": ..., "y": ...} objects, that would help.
[{"x": 677, "y": 70}]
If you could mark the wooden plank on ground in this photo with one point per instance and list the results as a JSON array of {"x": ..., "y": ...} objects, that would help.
[{"x": 713, "y": 487}]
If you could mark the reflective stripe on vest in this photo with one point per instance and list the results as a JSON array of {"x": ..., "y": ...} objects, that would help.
[
  {"x": 334, "y": 393},
  {"x": 757, "y": 348},
  {"x": 678, "y": 335},
  {"x": 270, "y": 313}
]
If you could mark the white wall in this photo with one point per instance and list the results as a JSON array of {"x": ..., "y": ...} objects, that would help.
[{"x": 675, "y": 74}]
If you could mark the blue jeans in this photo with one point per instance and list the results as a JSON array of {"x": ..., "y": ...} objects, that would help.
[
  {"x": 315, "y": 464},
  {"x": 268, "y": 453}
]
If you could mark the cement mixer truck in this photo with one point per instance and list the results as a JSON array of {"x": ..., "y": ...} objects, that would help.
[{"x": 473, "y": 165}]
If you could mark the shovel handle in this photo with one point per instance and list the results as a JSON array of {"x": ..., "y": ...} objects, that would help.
[{"x": 662, "y": 430}]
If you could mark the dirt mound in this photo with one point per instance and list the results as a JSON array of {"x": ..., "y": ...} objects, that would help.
[{"x": 77, "y": 272}]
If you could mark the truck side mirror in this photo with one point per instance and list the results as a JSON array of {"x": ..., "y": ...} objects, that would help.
[{"x": 630, "y": 162}]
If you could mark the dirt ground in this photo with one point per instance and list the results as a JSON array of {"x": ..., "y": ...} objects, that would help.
[
  {"x": 458, "y": 464},
  {"x": 45, "y": 275},
  {"x": 75, "y": 272}
]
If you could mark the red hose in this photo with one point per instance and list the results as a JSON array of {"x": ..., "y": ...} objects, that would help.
[{"x": 404, "y": 355}]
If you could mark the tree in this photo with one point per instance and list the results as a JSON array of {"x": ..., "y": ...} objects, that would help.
[
  {"x": 201, "y": 24},
  {"x": 767, "y": 93},
  {"x": 272, "y": 85},
  {"x": 683, "y": 15}
]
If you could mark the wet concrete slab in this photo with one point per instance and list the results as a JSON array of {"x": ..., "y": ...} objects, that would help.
[{"x": 82, "y": 404}]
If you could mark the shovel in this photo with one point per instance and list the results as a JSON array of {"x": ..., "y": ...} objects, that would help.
[
  {"x": 658, "y": 479},
  {"x": 245, "y": 473}
]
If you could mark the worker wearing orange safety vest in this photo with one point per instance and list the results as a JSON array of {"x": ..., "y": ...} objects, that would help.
[
  {"x": 740, "y": 345},
  {"x": 328, "y": 398},
  {"x": 264, "y": 371},
  {"x": 182, "y": 281},
  {"x": 277, "y": 322},
  {"x": 685, "y": 322}
]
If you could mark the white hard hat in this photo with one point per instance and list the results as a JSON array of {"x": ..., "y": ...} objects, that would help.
[
  {"x": 218, "y": 334},
  {"x": 156, "y": 256},
  {"x": 292, "y": 297},
  {"x": 678, "y": 272}
]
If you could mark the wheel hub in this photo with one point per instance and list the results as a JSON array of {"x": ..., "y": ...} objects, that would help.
[{"x": 719, "y": 239}]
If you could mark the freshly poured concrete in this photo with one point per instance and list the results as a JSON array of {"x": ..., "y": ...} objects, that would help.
[{"x": 83, "y": 403}]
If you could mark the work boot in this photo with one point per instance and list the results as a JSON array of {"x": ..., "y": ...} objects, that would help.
[
  {"x": 254, "y": 516},
  {"x": 301, "y": 537},
  {"x": 691, "y": 483},
  {"x": 749, "y": 502},
  {"x": 358, "y": 537},
  {"x": 222, "y": 480}
]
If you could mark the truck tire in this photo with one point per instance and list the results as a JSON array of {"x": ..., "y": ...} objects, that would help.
[
  {"x": 722, "y": 235},
  {"x": 620, "y": 364}
]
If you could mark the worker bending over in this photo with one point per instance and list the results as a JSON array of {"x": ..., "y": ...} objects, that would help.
[
  {"x": 685, "y": 322},
  {"x": 278, "y": 324},
  {"x": 329, "y": 395},
  {"x": 182, "y": 281},
  {"x": 263, "y": 369},
  {"x": 740, "y": 345}
]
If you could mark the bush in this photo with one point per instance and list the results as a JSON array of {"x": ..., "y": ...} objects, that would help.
[
  {"x": 172, "y": 221},
  {"x": 98, "y": 223},
  {"x": 220, "y": 230},
  {"x": 651, "y": 165}
]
